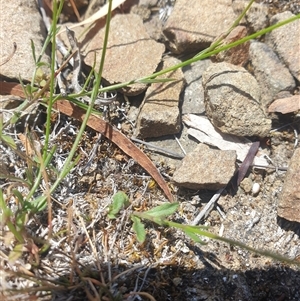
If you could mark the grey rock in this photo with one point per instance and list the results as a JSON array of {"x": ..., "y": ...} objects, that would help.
[
  {"x": 232, "y": 101},
  {"x": 257, "y": 16},
  {"x": 20, "y": 23},
  {"x": 272, "y": 75},
  {"x": 285, "y": 42},
  {"x": 148, "y": 3},
  {"x": 237, "y": 55},
  {"x": 205, "y": 168},
  {"x": 193, "y": 98},
  {"x": 159, "y": 114},
  {"x": 170, "y": 145},
  {"x": 141, "y": 10},
  {"x": 154, "y": 28},
  {"x": 193, "y": 24},
  {"x": 289, "y": 202},
  {"x": 131, "y": 53}
]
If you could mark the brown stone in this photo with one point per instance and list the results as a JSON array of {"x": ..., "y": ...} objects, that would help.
[
  {"x": 193, "y": 24},
  {"x": 159, "y": 114},
  {"x": 237, "y": 55},
  {"x": 20, "y": 23},
  {"x": 131, "y": 53},
  {"x": 206, "y": 168},
  {"x": 289, "y": 202},
  {"x": 285, "y": 105}
]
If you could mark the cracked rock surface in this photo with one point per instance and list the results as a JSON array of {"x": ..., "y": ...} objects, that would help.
[{"x": 232, "y": 100}]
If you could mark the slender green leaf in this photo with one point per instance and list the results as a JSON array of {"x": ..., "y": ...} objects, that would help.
[
  {"x": 193, "y": 231},
  {"x": 20, "y": 220},
  {"x": 120, "y": 199},
  {"x": 6, "y": 211},
  {"x": 9, "y": 141},
  {"x": 31, "y": 89},
  {"x": 155, "y": 80},
  {"x": 194, "y": 237},
  {"x": 14, "y": 231},
  {"x": 38, "y": 204},
  {"x": 33, "y": 50},
  {"x": 139, "y": 228},
  {"x": 16, "y": 253},
  {"x": 41, "y": 64},
  {"x": 19, "y": 196},
  {"x": 15, "y": 179},
  {"x": 29, "y": 176},
  {"x": 162, "y": 210}
]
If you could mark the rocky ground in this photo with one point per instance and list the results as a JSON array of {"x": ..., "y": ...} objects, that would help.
[{"x": 249, "y": 94}]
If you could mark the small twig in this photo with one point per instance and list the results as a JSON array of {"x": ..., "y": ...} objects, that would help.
[
  {"x": 129, "y": 270},
  {"x": 91, "y": 244},
  {"x": 159, "y": 149},
  {"x": 269, "y": 167},
  {"x": 144, "y": 294},
  {"x": 180, "y": 145},
  {"x": 75, "y": 10},
  {"x": 91, "y": 156},
  {"x": 145, "y": 276},
  {"x": 208, "y": 207},
  {"x": 296, "y": 136},
  {"x": 222, "y": 214}
]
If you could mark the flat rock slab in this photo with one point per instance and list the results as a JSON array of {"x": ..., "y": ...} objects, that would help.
[
  {"x": 131, "y": 53},
  {"x": 20, "y": 23},
  {"x": 169, "y": 144},
  {"x": 289, "y": 202},
  {"x": 193, "y": 24},
  {"x": 159, "y": 114},
  {"x": 206, "y": 168},
  {"x": 286, "y": 42},
  {"x": 271, "y": 74},
  {"x": 232, "y": 101}
]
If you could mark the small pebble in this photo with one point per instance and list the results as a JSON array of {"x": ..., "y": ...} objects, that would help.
[
  {"x": 177, "y": 281},
  {"x": 246, "y": 185},
  {"x": 255, "y": 188}
]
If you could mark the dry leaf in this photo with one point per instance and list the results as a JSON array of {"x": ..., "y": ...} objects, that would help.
[
  {"x": 98, "y": 15},
  {"x": 11, "y": 89},
  {"x": 103, "y": 127},
  {"x": 285, "y": 105},
  {"x": 205, "y": 132},
  {"x": 247, "y": 162},
  {"x": 26, "y": 143}
]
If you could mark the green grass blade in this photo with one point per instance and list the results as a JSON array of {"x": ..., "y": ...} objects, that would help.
[{"x": 139, "y": 228}]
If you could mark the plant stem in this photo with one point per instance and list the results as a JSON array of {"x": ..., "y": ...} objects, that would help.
[{"x": 202, "y": 55}]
